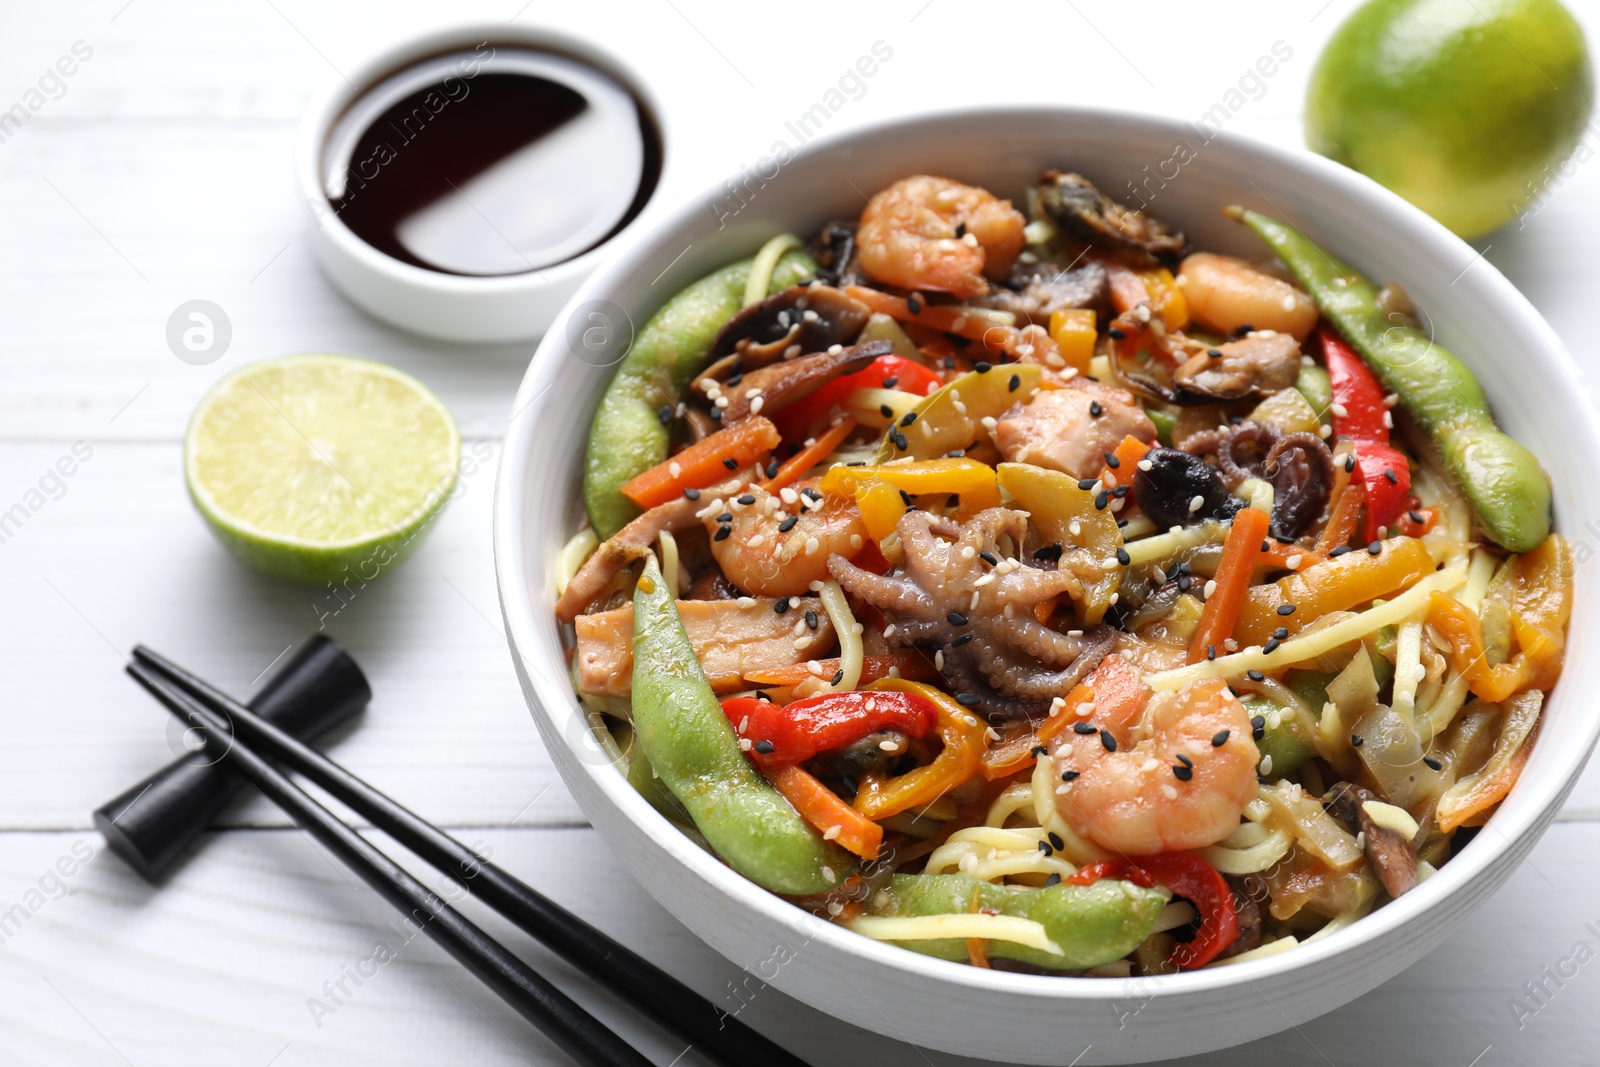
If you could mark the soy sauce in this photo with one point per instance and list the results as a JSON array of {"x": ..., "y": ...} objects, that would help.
[{"x": 494, "y": 161}]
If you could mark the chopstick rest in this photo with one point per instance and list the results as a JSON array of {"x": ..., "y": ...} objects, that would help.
[{"x": 152, "y": 823}]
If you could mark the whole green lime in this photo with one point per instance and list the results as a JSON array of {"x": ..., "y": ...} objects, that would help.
[{"x": 1464, "y": 107}]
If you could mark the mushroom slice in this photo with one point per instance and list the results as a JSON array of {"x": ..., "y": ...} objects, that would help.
[
  {"x": 1073, "y": 202},
  {"x": 1390, "y": 853},
  {"x": 1257, "y": 365},
  {"x": 789, "y": 323},
  {"x": 773, "y": 386}
]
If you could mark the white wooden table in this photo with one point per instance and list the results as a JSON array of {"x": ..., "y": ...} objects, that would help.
[{"x": 159, "y": 173}]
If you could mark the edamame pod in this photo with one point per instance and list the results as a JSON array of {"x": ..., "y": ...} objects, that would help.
[
  {"x": 688, "y": 740},
  {"x": 1091, "y": 924},
  {"x": 628, "y": 435},
  {"x": 1504, "y": 483}
]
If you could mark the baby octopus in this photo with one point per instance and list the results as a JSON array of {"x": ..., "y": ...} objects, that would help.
[{"x": 963, "y": 592}]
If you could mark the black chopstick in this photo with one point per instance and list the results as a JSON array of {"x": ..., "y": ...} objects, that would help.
[
  {"x": 574, "y": 1030},
  {"x": 631, "y": 977}
]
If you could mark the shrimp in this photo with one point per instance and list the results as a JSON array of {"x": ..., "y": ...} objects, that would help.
[
  {"x": 778, "y": 544},
  {"x": 1179, "y": 776},
  {"x": 933, "y": 233},
  {"x": 1224, "y": 293}
]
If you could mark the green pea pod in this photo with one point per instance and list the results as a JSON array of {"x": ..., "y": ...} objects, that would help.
[
  {"x": 1501, "y": 479},
  {"x": 689, "y": 742},
  {"x": 1315, "y": 385},
  {"x": 627, "y": 436},
  {"x": 1288, "y": 743},
  {"x": 1092, "y": 924}
]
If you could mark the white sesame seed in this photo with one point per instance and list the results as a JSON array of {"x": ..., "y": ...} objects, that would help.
[
  {"x": 745, "y": 745},
  {"x": 756, "y": 540},
  {"x": 1288, "y": 303},
  {"x": 812, "y": 544},
  {"x": 831, "y": 832},
  {"x": 747, "y": 602},
  {"x": 1293, "y": 562},
  {"x": 1338, "y": 409},
  {"x": 756, "y": 403},
  {"x": 1210, "y": 587},
  {"x": 938, "y": 660},
  {"x": 1266, "y": 765},
  {"x": 968, "y": 552},
  {"x": 674, "y": 468},
  {"x": 1196, "y": 503},
  {"x": 721, "y": 401},
  {"x": 834, "y": 350},
  {"x": 855, "y": 541},
  {"x": 1169, "y": 791},
  {"x": 1388, "y": 420},
  {"x": 989, "y": 423},
  {"x": 1075, "y": 528}
]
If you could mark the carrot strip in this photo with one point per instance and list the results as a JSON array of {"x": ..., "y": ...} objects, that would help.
[
  {"x": 971, "y": 323},
  {"x": 819, "y": 449},
  {"x": 822, "y": 808},
  {"x": 1279, "y": 557},
  {"x": 704, "y": 463},
  {"x": 1128, "y": 455},
  {"x": 1342, "y": 522},
  {"x": 1234, "y": 571}
]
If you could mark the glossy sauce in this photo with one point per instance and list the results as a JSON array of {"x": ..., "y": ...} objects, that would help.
[{"x": 490, "y": 162}]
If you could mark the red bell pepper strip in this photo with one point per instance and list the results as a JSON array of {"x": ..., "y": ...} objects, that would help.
[
  {"x": 1382, "y": 470},
  {"x": 1189, "y": 877},
  {"x": 793, "y": 733},
  {"x": 886, "y": 372}
]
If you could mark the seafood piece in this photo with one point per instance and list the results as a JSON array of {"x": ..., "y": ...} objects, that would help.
[
  {"x": 948, "y": 597},
  {"x": 1225, "y": 294},
  {"x": 834, "y": 249},
  {"x": 730, "y": 638},
  {"x": 790, "y": 322},
  {"x": 1071, "y": 430},
  {"x": 629, "y": 545},
  {"x": 778, "y": 384},
  {"x": 1074, "y": 204},
  {"x": 933, "y": 233},
  {"x": 1036, "y": 289},
  {"x": 1299, "y": 466},
  {"x": 1258, "y": 365},
  {"x": 778, "y": 544},
  {"x": 1176, "y": 776}
]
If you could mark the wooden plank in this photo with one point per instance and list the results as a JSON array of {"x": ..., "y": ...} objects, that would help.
[{"x": 219, "y": 966}]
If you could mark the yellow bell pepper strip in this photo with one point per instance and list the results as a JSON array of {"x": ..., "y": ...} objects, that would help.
[
  {"x": 1540, "y": 606},
  {"x": 1238, "y": 565},
  {"x": 1468, "y": 802},
  {"x": 1075, "y": 333},
  {"x": 1337, "y": 584},
  {"x": 703, "y": 463},
  {"x": 951, "y": 420},
  {"x": 1065, "y": 513},
  {"x": 822, "y": 808},
  {"x": 1166, "y": 299},
  {"x": 965, "y": 737},
  {"x": 877, "y": 489}
]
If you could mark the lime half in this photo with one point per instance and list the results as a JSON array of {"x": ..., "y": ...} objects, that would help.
[{"x": 319, "y": 468}]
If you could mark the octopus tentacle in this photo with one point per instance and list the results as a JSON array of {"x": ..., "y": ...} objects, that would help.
[
  {"x": 1028, "y": 680},
  {"x": 893, "y": 594}
]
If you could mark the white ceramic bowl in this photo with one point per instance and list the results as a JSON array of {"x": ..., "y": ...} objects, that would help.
[
  {"x": 453, "y": 307},
  {"x": 1536, "y": 392}
]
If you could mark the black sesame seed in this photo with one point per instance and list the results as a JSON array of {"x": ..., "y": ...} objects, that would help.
[
  {"x": 1185, "y": 760},
  {"x": 1117, "y": 334},
  {"x": 747, "y": 499},
  {"x": 765, "y": 747},
  {"x": 1375, "y": 548},
  {"x": 1281, "y": 633},
  {"x": 899, "y": 439},
  {"x": 1335, "y": 553},
  {"x": 1184, "y": 582},
  {"x": 733, "y": 381},
  {"x": 1258, "y": 726},
  {"x": 1270, "y": 647},
  {"x": 1037, "y": 750},
  {"x": 1054, "y": 879},
  {"x": 966, "y": 700},
  {"x": 1349, "y": 464},
  {"x": 692, "y": 494},
  {"x": 1182, "y": 773},
  {"x": 1044, "y": 846},
  {"x": 1056, "y": 842},
  {"x": 1121, "y": 523},
  {"x": 1285, "y": 609},
  {"x": 722, "y": 533},
  {"x": 982, "y": 366},
  {"x": 1220, "y": 738},
  {"x": 1015, "y": 383},
  {"x": 955, "y": 618},
  {"x": 905, "y": 498},
  {"x": 1432, "y": 763},
  {"x": 914, "y": 303},
  {"x": 961, "y": 230},
  {"x": 1085, "y": 728},
  {"x": 1101, "y": 499},
  {"x": 763, "y": 696},
  {"x": 891, "y": 381},
  {"x": 665, "y": 414},
  {"x": 1112, "y": 461},
  {"x": 781, "y": 606},
  {"x": 1214, "y": 353},
  {"x": 1087, "y": 484},
  {"x": 1254, "y": 676},
  {"x": 1050, "y": 551},
  {"x": 1266, "y": 546},
  {"x": 1107, "y": 741},
  {"x": 908, "y": 418},
  {"x": 788, "y": 524},
  {"x": 772, "y": 467},
  {"x": 1356, "y": 741},
  {"x": 988, "y": 557},
  {"x": 1394, "y": 479},
  {"x": 811, "y": 619},
  {"x": 1067, "y": 776},
  {"x": 812, "y": 493},
  {"x": 961, "y": 639},
  {"x": 1095, "y": 410},
  {"x": 886, "y": 411},
  {"x": 1123, "y": 557},
  {"x": 1417, "y": 517},
  {"x": 1211, "y": 652},
  {"x": 1121, "y": 491},
  {"x": 716, "y": 416},
  {"x": 731, "y": 464},
  {"x": 837, "y": 677},
  {"x": 1243, "y": 329},
  {"x": 726, "y": 516}
]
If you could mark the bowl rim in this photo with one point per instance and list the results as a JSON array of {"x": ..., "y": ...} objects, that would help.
[
  {"x": 341, "y": 92},
  {"x": 1518, "y": 823}
]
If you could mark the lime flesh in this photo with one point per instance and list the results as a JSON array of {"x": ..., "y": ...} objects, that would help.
[
  {"x": 1466, "y": 108},
  {"x": 319, "y": 468}
]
